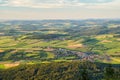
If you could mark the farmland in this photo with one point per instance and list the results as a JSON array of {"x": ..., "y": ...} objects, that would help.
[
  {"x": 26, "y": 41},
  {"x": 62, "y": 46}
]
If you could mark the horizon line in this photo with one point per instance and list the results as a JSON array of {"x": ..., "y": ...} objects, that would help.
[{"x": 59, "y": 19}]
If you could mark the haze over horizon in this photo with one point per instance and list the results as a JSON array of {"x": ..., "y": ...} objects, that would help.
[{"x": 58, "y": 9}]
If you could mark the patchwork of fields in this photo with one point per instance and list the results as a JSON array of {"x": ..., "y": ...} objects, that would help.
[{"x": 50, "y": 41}]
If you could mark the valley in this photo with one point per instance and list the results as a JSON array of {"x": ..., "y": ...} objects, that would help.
[
  {"x": 60, "y": 50},
  {"x": 63, "y": 40}
]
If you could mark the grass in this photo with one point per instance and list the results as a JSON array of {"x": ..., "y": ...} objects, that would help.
[
  {"x": 115, "y": 60},
  {"x": 50, "y": 55},
  {"x": 106, "y": 44},
  {"x": 31, "y": 54},
  {"x": 9, "y": 65},
  {"x": 2, "y": 66}
]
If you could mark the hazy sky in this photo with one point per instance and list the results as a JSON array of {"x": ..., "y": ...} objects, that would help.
[{"x": 59, "y": 9}]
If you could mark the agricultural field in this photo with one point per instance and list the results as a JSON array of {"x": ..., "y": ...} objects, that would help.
[
  {"x": 60, "y": 50},
  {"x": 60, "y": 40}
]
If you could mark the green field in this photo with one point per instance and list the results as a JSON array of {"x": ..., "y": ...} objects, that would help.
[
  {"x": 60, "y": 50},
  {"x": 2, "y": 66},
  {"x": 58, "y": 41}
]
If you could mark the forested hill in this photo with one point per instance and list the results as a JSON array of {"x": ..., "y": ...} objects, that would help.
[{"x": 62, "y": 71}]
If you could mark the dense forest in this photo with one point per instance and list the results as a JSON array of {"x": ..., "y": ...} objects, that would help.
[{"x": 62, "y": 71}]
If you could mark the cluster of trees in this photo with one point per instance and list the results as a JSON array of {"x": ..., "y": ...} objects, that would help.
[
  {"x": 94, "y": 30},
  {"x": 62, "y": 71},
  {"x": 45, "y": 36},
  {"x": 22, "y": 55}
]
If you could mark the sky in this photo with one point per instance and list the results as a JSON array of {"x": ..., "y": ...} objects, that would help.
[{"x": 58, "y": 9}]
